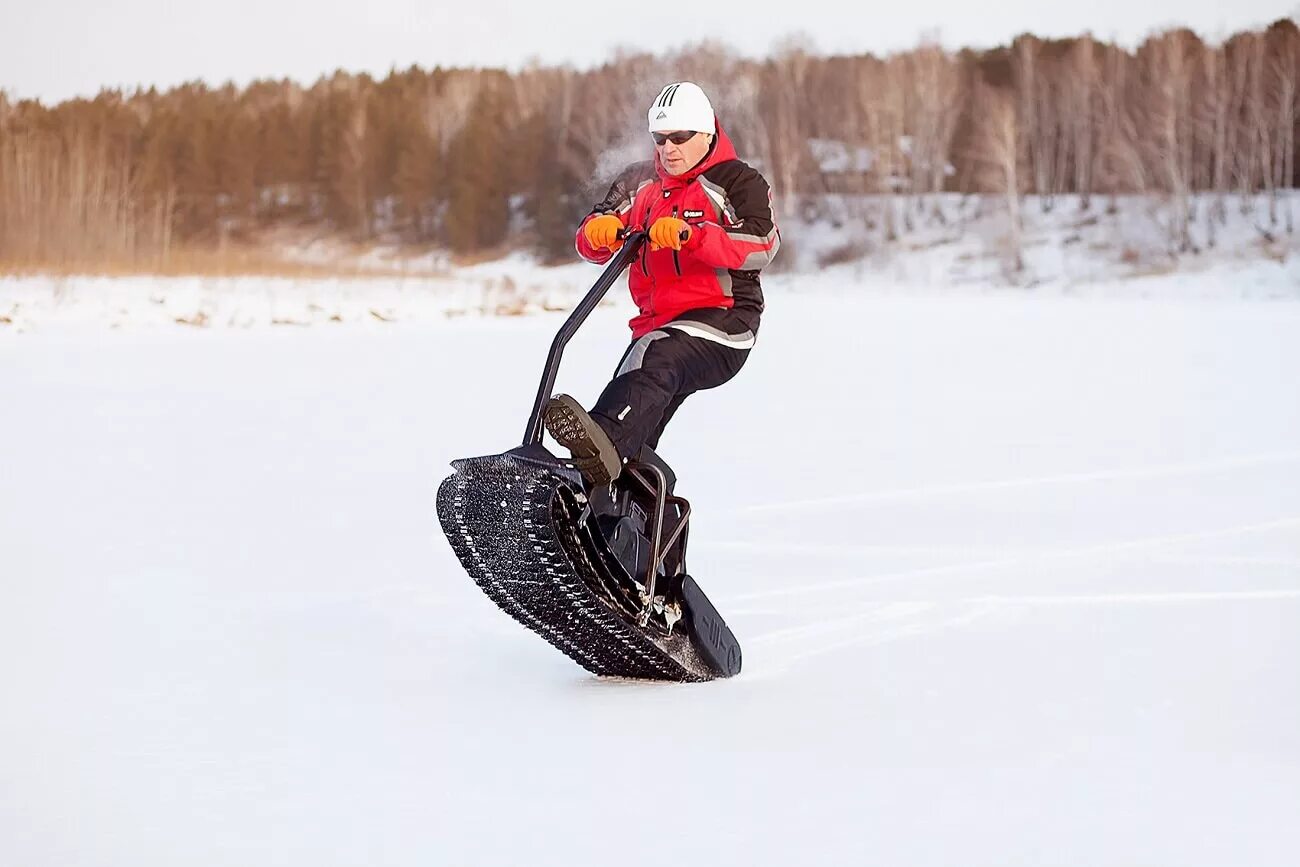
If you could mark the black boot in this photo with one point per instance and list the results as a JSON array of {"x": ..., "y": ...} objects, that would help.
[{"x": 593, "y": 453}]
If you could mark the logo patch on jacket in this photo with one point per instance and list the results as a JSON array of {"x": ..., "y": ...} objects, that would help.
[{"x": 687, "y": 215}]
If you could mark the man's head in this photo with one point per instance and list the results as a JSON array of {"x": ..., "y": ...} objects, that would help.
[{"x": 683, "y": 126}]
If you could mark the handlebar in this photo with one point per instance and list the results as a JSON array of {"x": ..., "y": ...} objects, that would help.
[
  {"x": 634, "y": 239},
  {"x": 627, "y": 230}
]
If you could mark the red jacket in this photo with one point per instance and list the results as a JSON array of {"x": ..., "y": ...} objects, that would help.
[{"x": 728, "y": 206}]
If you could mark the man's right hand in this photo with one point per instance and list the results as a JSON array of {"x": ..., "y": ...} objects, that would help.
[{"x": 602, "y": 232}]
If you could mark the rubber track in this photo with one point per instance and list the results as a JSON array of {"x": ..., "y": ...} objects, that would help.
[{"x": 508, "y": 527}]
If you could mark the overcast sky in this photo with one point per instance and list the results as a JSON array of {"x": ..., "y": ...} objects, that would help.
[{"x": 56, "y": 49}]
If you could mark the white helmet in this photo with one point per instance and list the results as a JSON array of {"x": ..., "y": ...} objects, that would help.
[{"x": 681, "y": 106}]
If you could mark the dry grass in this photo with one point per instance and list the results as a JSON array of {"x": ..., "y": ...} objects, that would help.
[
  {"x": 198, "y": 261},
  {"x": 490, "y": 254}
]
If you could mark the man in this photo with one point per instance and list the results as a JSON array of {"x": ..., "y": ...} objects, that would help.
[{"x": 711, "y": 229}]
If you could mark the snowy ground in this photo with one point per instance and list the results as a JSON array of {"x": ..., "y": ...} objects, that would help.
[{"x": 1018, "y": 580}]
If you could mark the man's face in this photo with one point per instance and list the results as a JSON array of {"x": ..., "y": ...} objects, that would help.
[{"x": 678, "y": 158}]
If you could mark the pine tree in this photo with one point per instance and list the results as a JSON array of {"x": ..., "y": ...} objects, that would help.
[
  {"x": 478, "y": 206},
  {"x": 555, "y": 203}
]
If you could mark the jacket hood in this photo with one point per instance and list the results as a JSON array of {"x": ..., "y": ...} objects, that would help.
[{"x": 721, "y": 151}]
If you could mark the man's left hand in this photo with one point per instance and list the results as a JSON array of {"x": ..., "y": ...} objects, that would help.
[{"x": 669, "y": 232}]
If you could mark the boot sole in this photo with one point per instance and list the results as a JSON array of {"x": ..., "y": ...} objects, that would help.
[{"x": 593, "y": 453}]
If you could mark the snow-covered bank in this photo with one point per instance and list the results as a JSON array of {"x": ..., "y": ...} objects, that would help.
[
  {"x": 81, "y": 302},
  {"x": 1017, "y": 576},
  {"x": 949, "y": 246},
  {"x": 966, "y": 241},
  {"x": 518, "y": 288}
]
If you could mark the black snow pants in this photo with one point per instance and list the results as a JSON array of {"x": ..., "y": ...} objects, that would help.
[{"x": 700, "y": 349}]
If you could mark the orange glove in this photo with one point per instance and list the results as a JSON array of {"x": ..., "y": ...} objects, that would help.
[
  {"x": 669, "y": 232},
  {"x": 602, "y": 232}
]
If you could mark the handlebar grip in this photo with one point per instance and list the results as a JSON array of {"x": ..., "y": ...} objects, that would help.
[{"x": 627, "y": 230}]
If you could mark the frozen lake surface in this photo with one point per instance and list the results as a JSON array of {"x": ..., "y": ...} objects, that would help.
[{"x": 1017, "y": 578}]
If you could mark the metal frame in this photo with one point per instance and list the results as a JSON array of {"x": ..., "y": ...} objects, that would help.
[
  {"x": 659, "y": 490},
  {"x": 658, "y": 487}
]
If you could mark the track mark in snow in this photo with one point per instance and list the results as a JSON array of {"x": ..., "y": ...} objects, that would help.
[
  {"x": 407, "y": 595},
  {"x": 814, "y": 548},
  {"x": 900, "y": 620},
  {"x": 1150, "y": 472},
  {"x": 1146, "y": 598},
  {"x": 1266, "y": 562},
  {"x": 1174, "y": 597},
  {"x": 892, "y": 621},
  {"x": 879, "y": 613},
  {"x": 1065, "y": 554}
]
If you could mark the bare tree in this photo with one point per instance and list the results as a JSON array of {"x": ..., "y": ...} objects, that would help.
[
  {"x": 882, "y": 102},
  {"x": 1246, "y": 60},
  {"x": 782, "y": 97},
  {"x": 1037, "y": 111},
  {"x": 1081, "y": 109},
  {"x": 1125, "y": 170},
  {"x": 1168, "y": 65},
  {"x": 1000, "y": 145},
  {"x": 1216, "y": 123},
  {"x": 934, "y": 108},
  {"x": 1283, "y": 69}
]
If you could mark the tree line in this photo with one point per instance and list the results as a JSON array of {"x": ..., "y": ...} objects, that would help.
[{"x": 478, "y": 160}]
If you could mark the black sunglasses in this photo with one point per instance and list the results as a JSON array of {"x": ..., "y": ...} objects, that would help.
[{"x": 680, "y": 137}]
